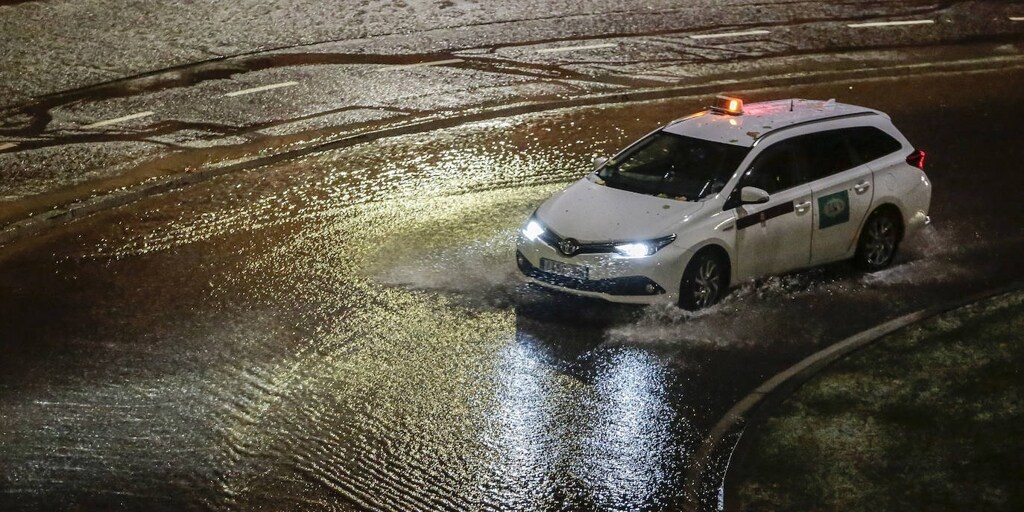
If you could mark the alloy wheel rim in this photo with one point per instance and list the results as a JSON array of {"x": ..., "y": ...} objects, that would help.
[
  {"x": 881, "y": 241},
  {"x": 708, "y": 283}
]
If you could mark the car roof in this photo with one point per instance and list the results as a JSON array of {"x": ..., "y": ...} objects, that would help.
[{"x": 759, "y": 119}]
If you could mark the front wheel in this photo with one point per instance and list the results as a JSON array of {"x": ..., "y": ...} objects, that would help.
[
  {"x": 705, "y": 281},
  {"x": 878, "y": 241}
]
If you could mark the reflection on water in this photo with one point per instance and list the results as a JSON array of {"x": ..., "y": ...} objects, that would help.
[
  {"x": 525, "y": 449},
  {"x": 629, "y": 437},
  {"x": 594, "y": 431}
]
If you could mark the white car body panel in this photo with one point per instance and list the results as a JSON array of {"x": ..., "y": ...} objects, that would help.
[
  {"x": 854, "y": 190},
  {"x": 904, "y": 186},
  {"x": 773, "y": 243},
  {"x": 591, "y": 212}
]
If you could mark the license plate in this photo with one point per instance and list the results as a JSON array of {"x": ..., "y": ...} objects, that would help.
[{"x": 564, "y": 269}]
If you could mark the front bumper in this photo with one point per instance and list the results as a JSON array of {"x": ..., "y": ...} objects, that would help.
[
  {"x": 628, "y": 285},
  {"x": 648, "y": 280}
]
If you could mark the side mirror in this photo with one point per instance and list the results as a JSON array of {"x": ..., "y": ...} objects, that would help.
[
  {"x": 753, "y": 195},
  {"x": 599, "y": 161}
]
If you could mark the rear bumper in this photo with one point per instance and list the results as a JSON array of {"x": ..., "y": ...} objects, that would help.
[{"x": 916, "y": 222}]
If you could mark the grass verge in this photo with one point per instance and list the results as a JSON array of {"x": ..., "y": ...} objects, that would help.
[{"x": 930, "y": 418}]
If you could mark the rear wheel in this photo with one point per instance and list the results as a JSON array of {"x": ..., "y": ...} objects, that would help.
[
  {"x": 879, "y": 241},
  {"x": 705, "y": 281}
]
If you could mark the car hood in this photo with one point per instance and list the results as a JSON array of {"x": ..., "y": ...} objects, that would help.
[{"x": 590, "y": 212}]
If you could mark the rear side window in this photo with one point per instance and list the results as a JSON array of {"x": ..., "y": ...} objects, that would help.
[
  {"x": 827, "y": 153},
  {"x": 870, "y": 143}
]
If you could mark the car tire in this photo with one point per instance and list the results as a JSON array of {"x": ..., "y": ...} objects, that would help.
[
  {"x": 705, "y": 281},
  {"x": 879, "y": 240}
]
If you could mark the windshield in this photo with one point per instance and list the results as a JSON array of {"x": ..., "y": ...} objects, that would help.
[{"x": 676, "y": 166}]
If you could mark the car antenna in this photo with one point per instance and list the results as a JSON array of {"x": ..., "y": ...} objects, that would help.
[{"x": 790, "y": 104}]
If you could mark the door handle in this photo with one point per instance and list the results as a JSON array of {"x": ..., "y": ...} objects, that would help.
[
  {"x": 802, "y": 207},
  {"x": 861, "y": 187}
]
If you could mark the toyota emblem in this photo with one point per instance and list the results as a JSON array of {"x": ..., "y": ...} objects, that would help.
[{"x": 568, "y": 246}]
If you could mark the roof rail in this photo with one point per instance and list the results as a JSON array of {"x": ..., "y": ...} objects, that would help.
[{"x": 812, "y": 121}]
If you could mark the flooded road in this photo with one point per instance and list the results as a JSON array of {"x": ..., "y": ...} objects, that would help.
[{"x": 346, "y": 331}]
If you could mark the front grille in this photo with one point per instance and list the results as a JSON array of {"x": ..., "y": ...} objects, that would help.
[{"x": 552, "y": 240}]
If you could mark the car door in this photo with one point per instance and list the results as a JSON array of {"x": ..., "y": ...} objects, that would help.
[
  {"x": 841, "y": 188},
  {"x": 775, "y": 236}
]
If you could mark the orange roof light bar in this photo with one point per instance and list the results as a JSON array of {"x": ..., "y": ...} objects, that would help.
[{"x": 728, "y": 105}]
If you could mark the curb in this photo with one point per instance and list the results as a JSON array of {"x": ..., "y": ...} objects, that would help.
[
  {"x": 120, "y": 197},
  {"x": 706, "y": 477}
]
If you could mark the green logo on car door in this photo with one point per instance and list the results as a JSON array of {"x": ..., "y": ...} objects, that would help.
[{"x": 833, "y": 209}]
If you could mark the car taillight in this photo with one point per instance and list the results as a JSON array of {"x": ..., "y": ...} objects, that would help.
[{"x": 916, "y": 159}]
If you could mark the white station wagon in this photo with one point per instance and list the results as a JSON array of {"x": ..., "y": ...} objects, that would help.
[{"x": 729, "y": 194}]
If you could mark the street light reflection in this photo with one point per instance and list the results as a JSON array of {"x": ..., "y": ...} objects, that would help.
[
  {"x": 630, "y": 438},
  {"x": 521, "y": 438},
  {"x": 590, "y": 429}
]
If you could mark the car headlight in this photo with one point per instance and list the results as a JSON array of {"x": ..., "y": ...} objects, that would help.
[
  {"x": 533, "y": 229},
  {"x": 643, "y": 248}
]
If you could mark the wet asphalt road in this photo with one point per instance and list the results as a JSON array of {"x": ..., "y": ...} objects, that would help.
[
  {"x": 125, "y": 91},
  {"x": 345, "y": 331},
  {"x": 127, "y": 39}
]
